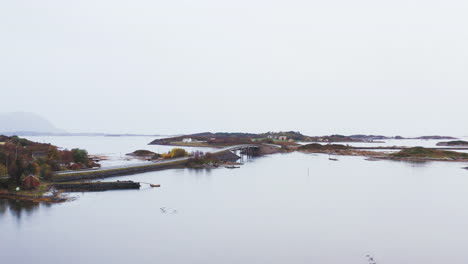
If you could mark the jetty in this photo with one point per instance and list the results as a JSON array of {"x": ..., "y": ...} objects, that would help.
[{"x": 96, "y": 186}]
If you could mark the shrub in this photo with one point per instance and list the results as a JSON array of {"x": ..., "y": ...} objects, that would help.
[
  {"x": 178, "y": 153},
  {"x": 175, "y": 153},
  {"x": 46, "y": 171},
  {"x": 3, "y": 170},
  {"x": 80, "y": 155}
]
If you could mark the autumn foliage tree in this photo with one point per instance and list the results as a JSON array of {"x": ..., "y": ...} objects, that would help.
[
  {"x": 175, "y": 153},
  {"x": 80, "y": 155},
  {"x": 20, "y": 157}
]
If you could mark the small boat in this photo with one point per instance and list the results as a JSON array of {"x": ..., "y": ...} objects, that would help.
[
  {"x": 333, "y": 159},
  {"x": 155, "y": 185},
  {"x": 232, "y": 167}
]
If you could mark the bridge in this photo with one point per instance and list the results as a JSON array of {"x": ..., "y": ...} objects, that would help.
[
  {"x": 134, "y": 168},
  {"x": 238, "y": 147}
]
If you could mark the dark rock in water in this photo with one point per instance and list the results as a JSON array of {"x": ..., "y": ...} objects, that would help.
[
  {"x": 141, "y": 153},
  {"x": 226, "y": 156}
]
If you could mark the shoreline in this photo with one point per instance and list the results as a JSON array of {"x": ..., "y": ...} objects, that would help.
[
  {"x": 32, "y": 196},
  {"x": 47, "y": 193}
]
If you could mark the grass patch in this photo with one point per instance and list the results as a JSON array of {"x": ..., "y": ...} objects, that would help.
[{"x": 420, "y": 152}]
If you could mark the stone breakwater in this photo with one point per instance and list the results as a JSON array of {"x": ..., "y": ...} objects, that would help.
[{"x": 106, "y": 173}]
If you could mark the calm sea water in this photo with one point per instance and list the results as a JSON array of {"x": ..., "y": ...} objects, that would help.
[{"x": 285, "y": 208}]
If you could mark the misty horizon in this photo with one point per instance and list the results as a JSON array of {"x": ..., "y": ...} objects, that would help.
[
  {"x": 183, "y": 67},
  {"x": 30, "y": 118}
]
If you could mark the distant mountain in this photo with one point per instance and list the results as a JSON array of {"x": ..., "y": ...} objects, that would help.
[{"x": 23, "y": 123}]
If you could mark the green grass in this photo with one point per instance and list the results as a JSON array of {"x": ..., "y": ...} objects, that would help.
[{"x": 420, "y": 152}]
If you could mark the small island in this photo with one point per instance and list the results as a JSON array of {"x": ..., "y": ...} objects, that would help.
[
  {"x": 405, "y": 154},
  {"x": 426, "y": 154},
  {"x": 456, "y": 143},
  {"x": 222, "y": 139}
]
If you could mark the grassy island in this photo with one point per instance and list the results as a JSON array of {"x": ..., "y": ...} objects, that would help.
[
  {"x": 420, "y": 153},
  {"x": 455, "y": 143}
]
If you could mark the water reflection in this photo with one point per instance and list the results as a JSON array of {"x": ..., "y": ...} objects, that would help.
[
  {"x": 17, "y": 208},
  {"x": 413, "y": 163}
]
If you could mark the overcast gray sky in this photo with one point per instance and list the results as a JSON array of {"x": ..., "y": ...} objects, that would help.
[{"x": 320, "y": 67}]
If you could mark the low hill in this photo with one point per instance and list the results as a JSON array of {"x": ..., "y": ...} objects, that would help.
[
  {"x": 319, "y": 147},
  {"x": 141, "y": 153},
  {"x": 435, "y": 137},
  {"x": 22, "y": 123}
]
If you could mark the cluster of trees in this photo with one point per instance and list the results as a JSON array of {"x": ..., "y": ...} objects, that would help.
[{"x": 20, "y": 157}]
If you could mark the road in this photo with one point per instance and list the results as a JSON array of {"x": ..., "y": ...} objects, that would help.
[{"x": 159, "y": 162}]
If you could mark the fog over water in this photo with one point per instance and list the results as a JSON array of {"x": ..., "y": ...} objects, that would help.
[{"x": 320, "y": 67}]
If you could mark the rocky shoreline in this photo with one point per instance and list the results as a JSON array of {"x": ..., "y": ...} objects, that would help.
[
  {"x": 52, "y": 197},
  {"x": 411, "y": 154}
]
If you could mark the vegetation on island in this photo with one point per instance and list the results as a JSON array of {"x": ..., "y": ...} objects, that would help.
[
  {"x": 142, "y": 152},
  {"x": 175, "y": 153},
  {"x": 334, "y": 149},
  {"x": 427, "y": 153},
  {"x": 20, "y": 158},
  {"x": 208, "y": 139},
  {"x": 434, "y": 137},
  {"x": 413, "y": 153},
  {"x": 206, "y": 160},
  {"x": 455, "y": 143},
  {"x": 199, "y": 159},
  {"x": 320, "y": 147}
]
